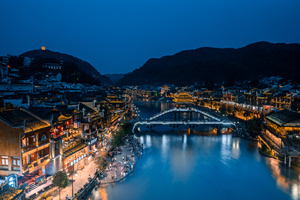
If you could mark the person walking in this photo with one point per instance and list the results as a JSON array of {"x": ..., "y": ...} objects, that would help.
[{"x": 68, "y": 198}]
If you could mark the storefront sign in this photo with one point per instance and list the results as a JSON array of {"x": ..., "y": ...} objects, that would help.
[{"x": 12, "y": 180}]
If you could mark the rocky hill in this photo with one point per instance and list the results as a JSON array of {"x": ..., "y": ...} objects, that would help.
[{"x": 219, "y": 65}]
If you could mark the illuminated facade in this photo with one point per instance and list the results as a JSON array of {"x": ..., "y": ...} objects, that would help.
[
  {"x": 183, "y": 99},
  {"x": 284, "y": 122},
  {"x": 24, "y": 143}
]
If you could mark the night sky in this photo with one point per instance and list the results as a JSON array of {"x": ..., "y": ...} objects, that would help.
[{"x": 119, "y": 36}]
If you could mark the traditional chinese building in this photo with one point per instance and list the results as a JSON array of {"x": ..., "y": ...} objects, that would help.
[
  {"x": 24, "y": 144},
  {"x": 183, "y": 99},
  {"x": 284, "y": 122}
]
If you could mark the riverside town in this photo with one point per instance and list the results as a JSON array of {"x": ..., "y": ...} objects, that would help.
[
  {"x": 150, "y": 100},
  {"x": 95, "y": 134}
]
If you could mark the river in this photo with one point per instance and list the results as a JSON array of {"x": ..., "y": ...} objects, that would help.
[{"x": 201, "y": 167}]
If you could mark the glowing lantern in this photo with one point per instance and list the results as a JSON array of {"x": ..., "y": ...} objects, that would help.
[{"x": 43, "y": 48}]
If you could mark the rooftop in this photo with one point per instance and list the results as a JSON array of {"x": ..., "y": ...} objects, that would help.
[
  {"x": 17, "y": 117},
  {"x": 285, "y": 118}
]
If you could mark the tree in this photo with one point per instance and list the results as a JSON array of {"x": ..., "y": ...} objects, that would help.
[
  {"x": 247, "y": 114},
  {"x": 230, "y": 110},
  {"x": 9, "y": 106},
  {"x": 101, "y": 162},
  {"x": 1, "y": 104},
  {"x": 223, "y": 109},
  {"x": 252, "y": 125},
  {"x": 61, "y": 180}
]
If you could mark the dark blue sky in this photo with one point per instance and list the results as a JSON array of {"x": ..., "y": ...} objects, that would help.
[{"x": 119, "y": 36}]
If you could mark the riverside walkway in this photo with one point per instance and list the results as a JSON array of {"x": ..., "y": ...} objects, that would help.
[
  {"x": 79, "y": 180},
  {"x": 121, "y": 166},
  {"x": 116, "y": 170}
]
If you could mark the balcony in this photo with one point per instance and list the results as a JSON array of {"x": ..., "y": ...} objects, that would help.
[
  {"x": 35, "y": 145},
  {"x": 15, "y": 168},
  {"x": 40, "y": 143},
  {"x": 29, "y": 147},
  {"x": 3, "y": 167},
  {"x": 71, "y": 144},
  {"x": 36, "y": 164}
]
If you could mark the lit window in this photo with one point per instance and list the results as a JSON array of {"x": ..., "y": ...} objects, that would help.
[
  {"x": 16, "y": 162},
  {"x": 4, "y": 161}
]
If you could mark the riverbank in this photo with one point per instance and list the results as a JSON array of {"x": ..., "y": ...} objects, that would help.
[
  {"x": 124, "y": 160},
  {"x": 121, "y": 163}
]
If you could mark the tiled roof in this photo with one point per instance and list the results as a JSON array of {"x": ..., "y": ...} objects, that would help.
[
  {"x": 64, "y": 109},
  {"x": 43, "y": 112},
  {"x": 17, "y": 118},
  {"x": 88, "y": 106},
  {"x": 285, "y": 118}
]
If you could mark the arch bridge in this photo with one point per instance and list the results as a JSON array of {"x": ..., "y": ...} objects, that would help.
[{"x": 189, "y": 118}]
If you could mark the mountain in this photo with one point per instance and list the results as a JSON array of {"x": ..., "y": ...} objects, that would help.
[
  {"x": 82, "y": 65},
  {"x": 217, "y": 65},
  {"x": 114, "y": 77}
]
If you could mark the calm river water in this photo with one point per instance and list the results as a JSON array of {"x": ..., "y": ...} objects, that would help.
[{"x": 201, "y": 167}]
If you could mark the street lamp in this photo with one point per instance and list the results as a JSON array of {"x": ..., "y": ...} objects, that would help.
[{"x": 73, "y": 178}]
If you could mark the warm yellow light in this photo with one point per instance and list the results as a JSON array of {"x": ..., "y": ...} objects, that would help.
[{"x": 43, "y": 48}]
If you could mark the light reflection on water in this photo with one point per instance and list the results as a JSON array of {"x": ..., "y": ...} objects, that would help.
[
  {"x": 184, "y": 142},
  {"x": 226, "y": 149},
  {"x": 236, "y": 152},
  {"x": 203, "y": 167},
  {"x": 224, "y": 162},
  {"x": 287, "y": 179},
  {"x": 148, "y": 141}
]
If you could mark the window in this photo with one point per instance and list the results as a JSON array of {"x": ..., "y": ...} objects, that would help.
[
  {"x": 4, "y": 160},
  {"x": 16, "y": 162}
]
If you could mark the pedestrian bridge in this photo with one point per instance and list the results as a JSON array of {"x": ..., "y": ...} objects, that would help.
[{"x": 182, "y": 117}]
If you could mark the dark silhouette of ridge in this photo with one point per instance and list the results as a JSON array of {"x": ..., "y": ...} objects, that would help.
[{"x": 219, "y": 65}]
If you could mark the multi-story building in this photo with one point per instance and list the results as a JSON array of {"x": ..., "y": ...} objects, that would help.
[
  {"x": 24, "y": 144},
  {"x": 284, "y": 122}
]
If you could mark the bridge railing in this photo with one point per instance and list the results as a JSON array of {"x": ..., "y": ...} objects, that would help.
[
  {"x": 223, "y": 123},
  {"x": 184, "y": 110}
]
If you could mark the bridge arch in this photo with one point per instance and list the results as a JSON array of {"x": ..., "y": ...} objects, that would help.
[
  {"x": 184, "y": 110},
  {"x": 152, "y": 122}
]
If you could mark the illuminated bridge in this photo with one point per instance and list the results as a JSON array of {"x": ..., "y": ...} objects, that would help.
[{"x": 182, "y": 118}]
